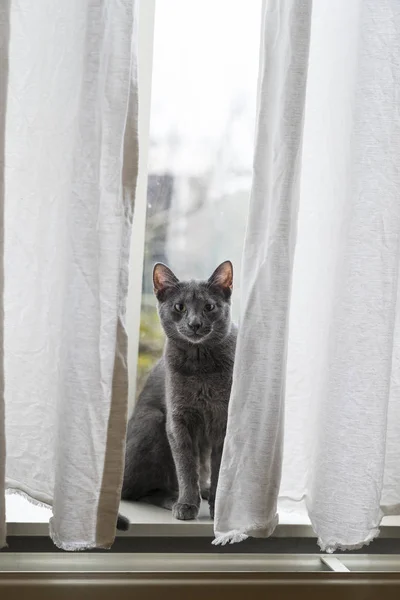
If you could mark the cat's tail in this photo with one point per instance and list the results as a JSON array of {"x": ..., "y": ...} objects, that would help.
[{"x": 122, "y": 523}]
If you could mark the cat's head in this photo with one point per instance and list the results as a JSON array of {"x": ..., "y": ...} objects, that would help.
[{"x": 196, "y": 312}]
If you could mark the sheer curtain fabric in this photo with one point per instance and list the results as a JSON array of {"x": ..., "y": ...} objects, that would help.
[
  {"x": 68, "y": 150},
  {"x": 314, "y": 418}
]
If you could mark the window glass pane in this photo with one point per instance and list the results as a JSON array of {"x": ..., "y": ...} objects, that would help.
[{"x": 201, "y": 145}]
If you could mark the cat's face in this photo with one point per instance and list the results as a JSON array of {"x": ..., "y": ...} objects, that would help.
[{"x": 197, "y": 312}]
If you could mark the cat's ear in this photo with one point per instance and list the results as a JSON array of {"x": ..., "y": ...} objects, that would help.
[
  {"x": 163, "y": 278},
  {"x": 223, "y": 277}
]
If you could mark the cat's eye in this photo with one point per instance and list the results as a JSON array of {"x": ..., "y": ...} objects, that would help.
[
  {"x": 209, "y": 307},
  {"x": 179, "y": 307}
]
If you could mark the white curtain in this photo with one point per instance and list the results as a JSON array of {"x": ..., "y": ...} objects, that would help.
[
  {"x": 314, "y": 417},
  {"x": 4, "y": 39},
  {"x": 68, "y": 157}
]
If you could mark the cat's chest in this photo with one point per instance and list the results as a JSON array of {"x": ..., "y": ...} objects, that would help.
[
  {"x": 208, "y": 400},
  {"x": 202, "y": 401},
  {"x": 205, "y": 392}
]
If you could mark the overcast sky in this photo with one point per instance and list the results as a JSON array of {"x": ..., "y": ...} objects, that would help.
[{"x": 205, "y": 70}]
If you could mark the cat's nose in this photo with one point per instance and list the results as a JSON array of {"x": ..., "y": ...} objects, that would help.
[{"x": 194, "y": 325}]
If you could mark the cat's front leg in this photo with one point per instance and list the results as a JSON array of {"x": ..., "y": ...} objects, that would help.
[
  {"x": 205, "y": 471},
  {"x": 216, "y": 455},
  {"x": 185, "y": 454}
]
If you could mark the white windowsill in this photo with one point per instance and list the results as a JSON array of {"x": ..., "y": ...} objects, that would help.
[{"x": 23, "y": 518}]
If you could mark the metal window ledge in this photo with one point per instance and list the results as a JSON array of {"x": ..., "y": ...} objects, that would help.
[
  {"x": 194, "y": 577},
  {"x": 107, "y": 563}
]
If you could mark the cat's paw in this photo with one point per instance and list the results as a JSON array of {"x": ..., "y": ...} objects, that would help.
[
  {"x": 185, "y": 512},
  {"x": 205, "y": 493}
]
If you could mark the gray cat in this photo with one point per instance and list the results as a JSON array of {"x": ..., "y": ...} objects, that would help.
[{"x": 176, "y": 434}]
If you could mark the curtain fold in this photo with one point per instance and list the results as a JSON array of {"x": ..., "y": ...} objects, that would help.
[
  {"x": 339, "y": 390},
  {"x": 4, "y": 39},
  {"x": 246, "y": 502},
  {"x": 71, "y": 137},
  {"x": 341, "y": 454}
]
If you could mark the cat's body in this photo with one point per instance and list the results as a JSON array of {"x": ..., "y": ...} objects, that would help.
[{"x": 176, "y": 434}]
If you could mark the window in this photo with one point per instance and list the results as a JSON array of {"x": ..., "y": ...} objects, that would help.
[
  {"x": 202, "y": 121},
  {"x": 199, "y": 67},
  {"x": 196, "y": 142}
]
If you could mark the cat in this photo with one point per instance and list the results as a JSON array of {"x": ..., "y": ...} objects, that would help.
[{"x": 176, "y": 434}]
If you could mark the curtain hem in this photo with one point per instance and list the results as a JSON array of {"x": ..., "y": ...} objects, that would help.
[
  {"x": 56, "y": 539},
  {"x": 236, "y": 535},
  {"x": 34, "y": 497},
  {"x": 75, "y": 546},
  {"x": 29, "y": 497},
  {"x": 331, "y": 546}
]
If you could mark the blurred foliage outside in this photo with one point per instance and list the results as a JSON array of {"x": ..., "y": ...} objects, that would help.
[{"x": 151, "y": 343}]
